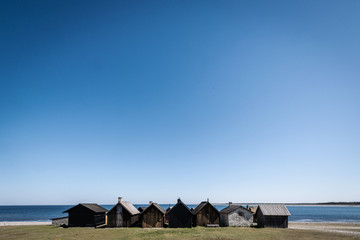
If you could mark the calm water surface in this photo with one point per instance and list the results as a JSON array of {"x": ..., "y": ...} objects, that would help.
[{"x": 298, "y": 213}]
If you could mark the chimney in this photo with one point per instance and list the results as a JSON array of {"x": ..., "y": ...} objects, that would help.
[
  {"x": 208, "y": 200},
  {"x": 178, "y": 200},
  {"x": 150, "y": 202},
  {"x": 119, "y": 199},
  {"x": 230, "y": 203}
]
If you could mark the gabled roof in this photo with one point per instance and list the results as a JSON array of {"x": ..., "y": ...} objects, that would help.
[
  {"x": 91, "y": 206},
  {"x": 128, "y": 206},
  {"x": 155, "y": 205},
  {"x": 201, "y": 206},
  {"x": 179, "y": 202},
  {"x": 232, "y": 208},
  {"x": 274, "y": 210}
]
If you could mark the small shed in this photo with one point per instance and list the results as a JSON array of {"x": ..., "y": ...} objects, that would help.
[
  {"x": 236, "y": 216},
  {"x": 272, "y": 215},
  {"x": 153, "y": 216},
  {"x": 205, "y": 214},
  {"x": 180, "y": 216},
  {"x": 86, "y": 215},
  {"x": 123, "y": 214}
]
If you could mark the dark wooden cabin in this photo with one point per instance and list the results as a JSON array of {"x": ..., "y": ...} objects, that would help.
[
  {"x": 272, "y": 215},
  {"x": 86, "y": 215},
  {"x": 205, "y": 214},
  {"x": 180, "y": 216},
  {"x": 153, "y": 216},
  {"x": 123, "y": 214}
]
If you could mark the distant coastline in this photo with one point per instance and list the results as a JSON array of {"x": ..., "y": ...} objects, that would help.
[
  {"x": 338, "y": 204},
  {"x": 329, "y": 204}
]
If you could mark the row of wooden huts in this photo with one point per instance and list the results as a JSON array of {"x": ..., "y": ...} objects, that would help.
[{"x": 125, "y": 214}]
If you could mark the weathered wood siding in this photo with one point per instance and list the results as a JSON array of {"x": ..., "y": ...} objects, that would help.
[
  {"x": 271, "y": 221},
  {"x": 120, "y": 217},
  {"x": 152, "y": 218},
  {"x": 224, "y": 220},
  {"x": 83, "y": 217},
  {"x": 207, "y": 215},
  {"x": 180, "y": 217}
]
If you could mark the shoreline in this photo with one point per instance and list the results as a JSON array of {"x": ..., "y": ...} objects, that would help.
[
  {"x": 24, "y": 223},
  {"x": 44, "y": 223},
  {"x": 326, "y": 222}
]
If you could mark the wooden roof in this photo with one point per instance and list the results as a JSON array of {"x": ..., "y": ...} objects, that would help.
[
  {"x": 179, "y": 202},
  {"x": 91, "y": 206},
  {"x": 201, "y": 206},
  {"x": 156, "y": 206},
  {"x": 128, "y": 206},
  {"x": 274, "y": 210},
  {"x": 232, "y": 208}
]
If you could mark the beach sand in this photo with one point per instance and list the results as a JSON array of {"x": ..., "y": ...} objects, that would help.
[
  {"x": 343, "y": 228},
  {"x": 23, "y": 223}
]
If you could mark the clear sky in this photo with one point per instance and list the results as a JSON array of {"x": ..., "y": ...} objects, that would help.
[{"x": 243, "y": 101}]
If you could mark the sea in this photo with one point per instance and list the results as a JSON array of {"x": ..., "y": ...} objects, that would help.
[{"x": 298, "y": 213}]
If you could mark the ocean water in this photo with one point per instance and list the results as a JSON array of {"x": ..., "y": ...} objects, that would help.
[{"x": 298, "y": 213}]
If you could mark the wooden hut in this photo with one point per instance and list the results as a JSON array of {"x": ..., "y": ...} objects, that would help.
[
  {"x": 180, "y": 216},
  {"x": 205, "y": 214},
  {"x": 236, "y": 216},
  {"x": 86, "y": 215},
  {"x": 272, "y": 215},
  {"x": 153, "y": 216},
  {"x": 123, "y": 214}
]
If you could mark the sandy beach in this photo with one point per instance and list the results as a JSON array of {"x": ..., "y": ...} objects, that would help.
[
  {"x": 343, "y": 228},
  {"x": 23, "y": 223}
]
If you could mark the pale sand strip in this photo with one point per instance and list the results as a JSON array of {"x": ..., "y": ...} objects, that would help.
[
  {"x": 349, "y": 229},
  {"x": 23, "y": 223}
]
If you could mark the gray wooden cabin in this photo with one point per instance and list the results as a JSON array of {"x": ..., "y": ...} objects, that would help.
[
  {"x": 123, "y": 214},
  {"x": 205, "y": 214},
  {"x": 180, "y": 216},
  {"x": 236, "y": 216},
  {"x": 86, "y": 215},
  {"x": 272, "y": 215},
  {"x": 153, "y": 216}
]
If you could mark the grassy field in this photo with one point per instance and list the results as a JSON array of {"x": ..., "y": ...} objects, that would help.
[{"x": 55, "y": 233}]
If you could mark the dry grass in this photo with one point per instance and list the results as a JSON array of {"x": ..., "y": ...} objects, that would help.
[{"x": 55, "y": 233}]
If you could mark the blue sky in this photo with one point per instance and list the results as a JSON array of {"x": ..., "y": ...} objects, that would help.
[{"x": 243, "y": 101}]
